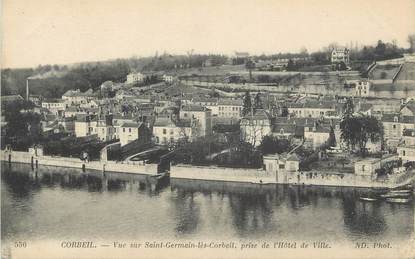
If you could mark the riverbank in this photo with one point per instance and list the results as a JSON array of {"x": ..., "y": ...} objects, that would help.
[
  {"x": 214, "y": 173},
  {"x": 103, "y": 166},
  {"x": 312, "y": 178}
]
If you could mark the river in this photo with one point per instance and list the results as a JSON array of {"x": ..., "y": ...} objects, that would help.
[{"x": 66, "y": 204}]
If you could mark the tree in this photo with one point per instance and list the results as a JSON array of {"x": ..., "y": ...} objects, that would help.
[
  {"x": 284, "y": 111},
  {"x": 272, "y": 145},
  {"x": 247, "y": 104},
  {"x": 348, "y": 108},
  {"x": 332, "y": 138},
  {"x": 359, "y": 130},
  {"x": 258, "y": 102}
]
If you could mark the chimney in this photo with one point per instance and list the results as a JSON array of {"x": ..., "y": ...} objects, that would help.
[{"x": 27, "y": 89}]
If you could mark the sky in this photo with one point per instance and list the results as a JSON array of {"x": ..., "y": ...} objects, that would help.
[{"x": 69, "y": 31}]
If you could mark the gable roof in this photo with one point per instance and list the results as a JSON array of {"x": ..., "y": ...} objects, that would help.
[{"x": 131, "y": 125}]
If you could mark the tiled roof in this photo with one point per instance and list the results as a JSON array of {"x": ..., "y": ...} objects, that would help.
[
  {"x": 131, "y": 125},
  {"x": 163, "y": 122},
  {"x": 194, "y": 108},
  {"x": 315, "y": 105}
]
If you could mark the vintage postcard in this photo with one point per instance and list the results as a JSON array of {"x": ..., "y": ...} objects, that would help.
[{"x": 207, "y": 129}]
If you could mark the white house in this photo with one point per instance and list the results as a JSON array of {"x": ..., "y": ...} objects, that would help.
[
  {"x": 362, "y": 88},
  {"x": 313, "y": 109},
  {"x": 340, "y": 55},
  {"x": 168, "y": 78},
  {"x": 230, "y": 108},
  {"x": 131, "y": 131},
  {"x": 133, "y": 78},
  {"x": 56, "y": 107},
  {"x": 406, "y": 149},
  {"x": 166, "y": 130},
  {"x": 84, "y": 125},
  {"x": 76, "y": 97}
]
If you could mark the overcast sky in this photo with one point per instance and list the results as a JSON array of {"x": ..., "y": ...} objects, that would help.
[{"x": 66, "y": 31}]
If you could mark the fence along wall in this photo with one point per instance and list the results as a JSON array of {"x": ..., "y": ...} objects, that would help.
[{"x": 110, "y": 166}]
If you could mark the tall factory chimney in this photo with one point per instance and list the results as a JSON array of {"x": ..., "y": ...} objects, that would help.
[{"x": 27, "y": 89}]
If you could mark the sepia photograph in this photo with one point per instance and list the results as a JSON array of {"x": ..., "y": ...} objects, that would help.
[{"x": 207, "y": 129}]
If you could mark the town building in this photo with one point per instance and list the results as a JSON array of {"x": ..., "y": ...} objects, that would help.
[
  {"x": 284, "y": 166},
  {"x": 200, "y": 117},
  {"x": 131, "y": 131},
  {"x": 362, "y": 88},
  {"x": 104, "y": 128},
  {"x": 84, "y": 125},
  {"x": 169, "y": 79},
  {"x": 340, "y": 55},
  {"x": 394, "y": 126},
  {"x": 313, "y": 109},
  {"x": 169, "y": 131},
  {"x": 76, "y": 97},
  {"x": 134, "y": 78},
  {"x": 366, "y": 168},
  {"x": 406, "y": 149},
  {"x": 210, "y": 103},
  {"x": 317, "y": 135},
  {"x": 230, "y": 108},
  {"x": 54, "y": 106},
  {"x": 255, "y": 126}
]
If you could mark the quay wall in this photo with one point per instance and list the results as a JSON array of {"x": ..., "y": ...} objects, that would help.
[
  {"x": 301, "y": 178},
  {"x": 221, "y": 174},
  {"x": 107, "y": 166}
]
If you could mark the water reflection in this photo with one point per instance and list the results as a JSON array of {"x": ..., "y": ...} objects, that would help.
[
  {"x": 22, "y": 180},
  {"x": 35, "y": 201}
]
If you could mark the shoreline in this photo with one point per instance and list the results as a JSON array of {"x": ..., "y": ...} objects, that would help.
[{"x": 210, "y": 173}]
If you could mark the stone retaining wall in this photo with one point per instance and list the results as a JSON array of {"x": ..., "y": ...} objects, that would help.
[{"x": 108, "y": 166}]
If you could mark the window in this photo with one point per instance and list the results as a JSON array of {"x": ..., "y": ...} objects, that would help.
[
  {"x": 129, "y": 130},
  {"x": 281, "y": 166},
  {"x": 123, "y": 129},
  {"x": 164, "y": 131},
  {"x": 403, "y": 152},
  {"x": 394, "y": 126},
  {"x": 171, "y": 132}
]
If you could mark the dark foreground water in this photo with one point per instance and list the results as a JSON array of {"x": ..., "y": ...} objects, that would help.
[{"x": 64, "y": 204}]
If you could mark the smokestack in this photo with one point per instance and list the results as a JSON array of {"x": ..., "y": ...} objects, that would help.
[{"x": 27, "y": 89}]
